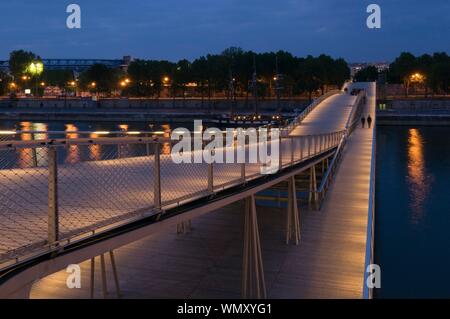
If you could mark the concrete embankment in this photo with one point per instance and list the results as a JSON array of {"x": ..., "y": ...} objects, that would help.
[
  {"x": 434, "y": 118},
  {"x": 152, "y": 104},
  {"x": 167, "y": 110},
  {"x": 429, "y": 112}
]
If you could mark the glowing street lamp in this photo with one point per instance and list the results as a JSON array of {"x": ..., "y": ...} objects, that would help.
[
  {"x": 417, "y": 77},
  {"x": 35, "y": 69}
]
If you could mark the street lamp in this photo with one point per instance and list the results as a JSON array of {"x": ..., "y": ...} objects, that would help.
[
  {"x": 417, "y": 77},
  {"x": 35, "y": 69}
]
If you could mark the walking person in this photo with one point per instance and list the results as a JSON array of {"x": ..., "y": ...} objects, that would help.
[
  {"x": 363, "y": 121},
  {"x": 369, "y": 121}
]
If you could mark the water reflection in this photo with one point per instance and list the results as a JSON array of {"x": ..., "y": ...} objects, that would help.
[
  {"x": 32, "y": 156},
  {"x": 166, "y": 147},
  {"x": 94, "y": 149},
  {"x": 72, "y": 154},
  {"x": 73, "y": 151},
  {"x": 419, "y": 184}
]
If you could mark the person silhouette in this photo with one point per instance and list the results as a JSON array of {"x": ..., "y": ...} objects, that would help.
[
  {"x": 363, "y": 121},
  {"x": 369, "y": 121}
]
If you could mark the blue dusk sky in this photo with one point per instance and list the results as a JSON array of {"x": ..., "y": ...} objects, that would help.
[{"x": 175, "y": 29}]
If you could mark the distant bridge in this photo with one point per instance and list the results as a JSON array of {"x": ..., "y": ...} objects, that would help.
[
  {"x": 77, "y": 65},
  {"x": 65, "y": 201}
]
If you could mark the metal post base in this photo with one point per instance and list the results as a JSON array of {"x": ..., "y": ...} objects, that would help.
[
  {"x": 313, "y": 196},
  {"x": 293, "y": 219},
  {"x": 253, "y": 282},
  {"x": 184, "y": 227},
  {"x": 103, "y": 274}
]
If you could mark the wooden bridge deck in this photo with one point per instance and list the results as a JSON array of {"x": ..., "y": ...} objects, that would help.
[
  {"x": 207, "y": 263},
  {"x": 331, "y": 260}
]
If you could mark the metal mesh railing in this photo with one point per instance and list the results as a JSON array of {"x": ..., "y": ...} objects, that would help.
[
  {"x": 26, "y": 135},
  {"x": 56, "y": 191}
]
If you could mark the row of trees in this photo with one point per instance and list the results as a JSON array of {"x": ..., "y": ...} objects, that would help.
[
  {"x": 430, "y": 71},
  {"x": 230, "y": 73}
]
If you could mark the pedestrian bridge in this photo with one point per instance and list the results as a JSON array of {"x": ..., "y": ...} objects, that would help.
[{"x": 67, "y": 200}]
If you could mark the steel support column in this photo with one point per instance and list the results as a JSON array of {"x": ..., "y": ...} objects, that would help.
[
  {"x": 253, "y": 282},
  {"x": 293, "y": 220},
  {"x": 312, "y": 186}
]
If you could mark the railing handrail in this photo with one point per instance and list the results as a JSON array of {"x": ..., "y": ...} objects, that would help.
[
  {"x": 12, "y": 132},
  {"x": 367, "y": 292},
  {"x": 332, "y": 163},
  {"x": 354, "y": 109}
]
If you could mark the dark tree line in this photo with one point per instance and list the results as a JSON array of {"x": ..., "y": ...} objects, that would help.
[
  {"x": 212, "y": 74},
  {"x": 430, "y": 71},
  {"x": 230, "y": 73}
]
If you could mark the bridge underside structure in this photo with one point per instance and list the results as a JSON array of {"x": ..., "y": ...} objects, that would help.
[{"x": 333, "y": 243}]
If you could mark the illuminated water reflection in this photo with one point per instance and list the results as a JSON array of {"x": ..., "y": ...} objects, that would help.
[{"x": 419, "y": 182}]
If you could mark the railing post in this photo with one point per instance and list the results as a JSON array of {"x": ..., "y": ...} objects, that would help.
[
  {"x": 53, "y": 214},
  {"x": 147, "y": 146},
  {"x": 157, "y": 178},
  {"x": 292, "y": 151},
  {"x": 309, "y": 145},
  {"x": 280, "y": 153},
  {"x": 210, "y": 178},
  {"x": 302, "y": 146},
  {"x": 315, "y": 144}
]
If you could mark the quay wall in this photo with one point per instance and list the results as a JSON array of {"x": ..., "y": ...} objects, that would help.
[{"x": 151, "y": 104}]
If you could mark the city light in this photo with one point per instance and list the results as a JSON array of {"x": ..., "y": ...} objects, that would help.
[
  {"x": 93, "y": 84},
  {"x": 7, "y": 132},
  {"x": 166, "y": 79},
  {"x": 417, "y": 77},
  {"x": 35, "y": 68}
]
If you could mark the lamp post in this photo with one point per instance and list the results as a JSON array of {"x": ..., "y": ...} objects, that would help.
[{"x": 35, "y": 69}]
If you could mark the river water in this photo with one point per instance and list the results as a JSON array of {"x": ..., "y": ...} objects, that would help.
[{"x": 412, "y": 237}]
